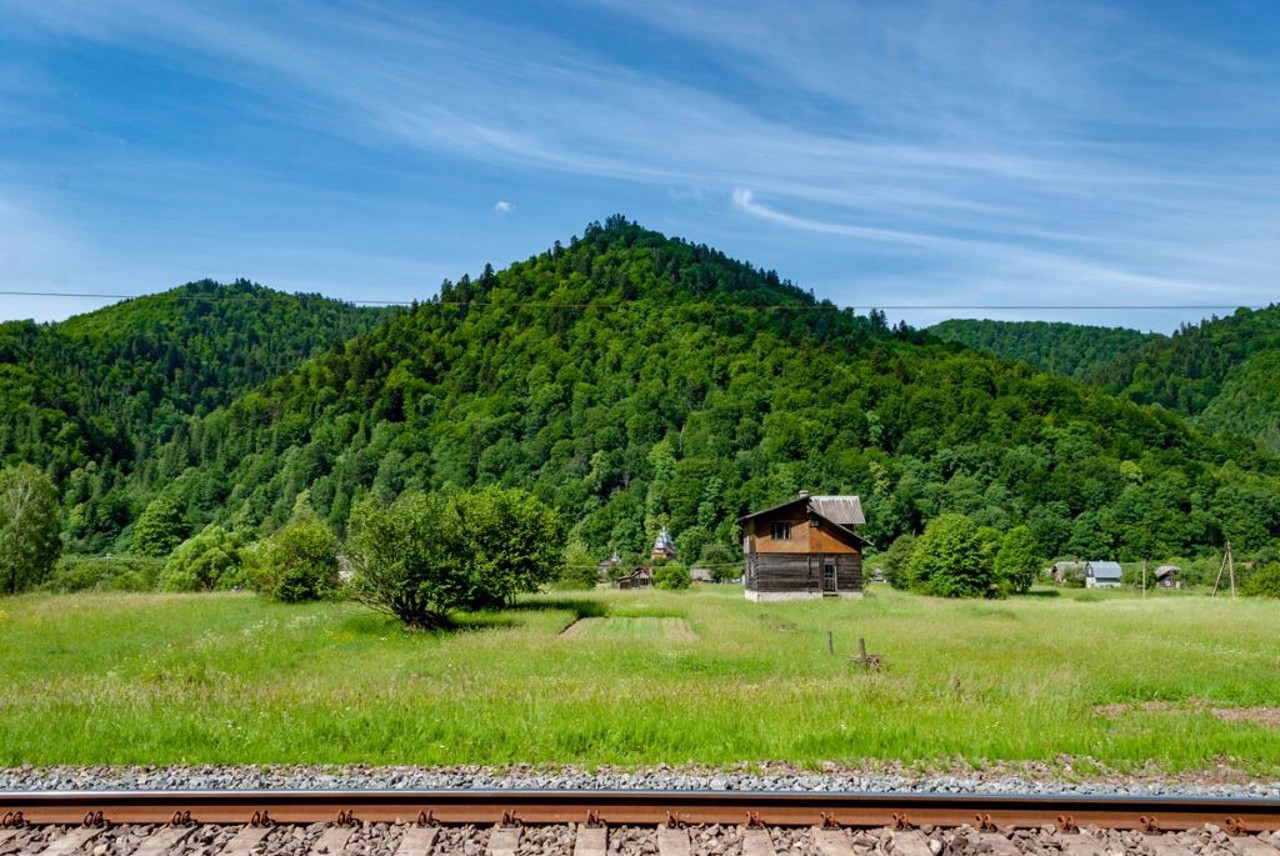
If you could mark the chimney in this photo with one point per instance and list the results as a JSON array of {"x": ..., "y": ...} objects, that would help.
[{"x": 804, "y": 494}]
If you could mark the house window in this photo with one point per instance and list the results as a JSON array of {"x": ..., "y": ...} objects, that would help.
[{"x": 780, "y": 531}]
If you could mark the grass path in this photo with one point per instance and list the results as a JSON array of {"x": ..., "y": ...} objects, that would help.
[{"x": 227, "y": 678}]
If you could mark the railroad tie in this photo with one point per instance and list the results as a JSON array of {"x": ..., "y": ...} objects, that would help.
[
  {"x": 756, "y": 842},
  {"x": 1165, "y": 846},
  {"x": 162, "y": 841},
  {"x": 910, "y": 844},
  {"x": 334, "y": 840},
  {"x": 832, "y": 842},
  {"x": 673, "y": 842},
  {"x": 1080, "y": 845},
  {"x": 243, "y": 842},
  {"x": 72, "y": 841},
  {"x": 997, "y": 845},
  {"x": 591, "y": 841},
  {"x": 418, "y": 841},
  {"x": 503, "y": 841},
  {"x": 5, "y": 835}
]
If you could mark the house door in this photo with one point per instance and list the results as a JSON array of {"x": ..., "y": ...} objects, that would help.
[{"x": 828, "y": 576}]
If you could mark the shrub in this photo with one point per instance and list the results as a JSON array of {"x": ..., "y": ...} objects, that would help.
[
  {"x": 580, "y": 570},
  {"x": 672, "y": 576},
  {"x": 426, "y": 554},
  {"x": 896, "y": 561},
  {"x": 953, "y": 558},
  {"x": 723, "y": 563},
  {"x": 1263, "y": 582},
  {"x": 513, "y": 540},
  {"x": 299, "y": 562},
  {"x": 104, "y": 573},
  {"x": 409, "y": 557},
  {"x": 207, "y": 561}
]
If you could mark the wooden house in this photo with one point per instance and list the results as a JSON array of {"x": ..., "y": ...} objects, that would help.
[
  {"x": 804, "y": 548},
  {"x": 1102, "y": 575},
  {"x": 638, "y": 578}
]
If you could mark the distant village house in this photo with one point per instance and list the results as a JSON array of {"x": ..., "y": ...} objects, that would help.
[
  {"x": 804, "y": 548},
  {"x": 1102, "y": 575},
  {"x": 638, "y": 578}
]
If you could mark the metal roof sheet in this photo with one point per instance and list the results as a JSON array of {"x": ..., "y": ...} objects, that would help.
[
  {"x": 845, "y": 510},
  {"x": 1104, "y": 570}
]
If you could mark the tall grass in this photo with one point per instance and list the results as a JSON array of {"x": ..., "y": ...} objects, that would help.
[{"x": 229, "y": 678}]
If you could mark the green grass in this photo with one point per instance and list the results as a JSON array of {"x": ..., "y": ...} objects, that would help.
[{"x": 231, "y": 678}]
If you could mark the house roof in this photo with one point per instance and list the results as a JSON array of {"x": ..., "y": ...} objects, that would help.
[
  {"x": 1104, "y": 570},
  {"x": 1166, "y": 570},
  {"x": 843, "y": 512}
]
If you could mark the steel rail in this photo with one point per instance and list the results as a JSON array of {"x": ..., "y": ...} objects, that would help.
[{"x": 515, "y": 806}]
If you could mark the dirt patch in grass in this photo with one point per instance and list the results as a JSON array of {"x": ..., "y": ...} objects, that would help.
[
  {"x": 1265, "y": 716},
  {"x": 670, "y": 629},
  {"x": 1115, "y": 711}
]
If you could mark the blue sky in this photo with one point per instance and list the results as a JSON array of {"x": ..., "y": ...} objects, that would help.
[{"x": 956, "y": 154}]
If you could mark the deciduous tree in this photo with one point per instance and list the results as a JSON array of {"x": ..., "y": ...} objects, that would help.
[
  {"x": 1016, "y": 563},
  {"x": 29, "y": 527}
]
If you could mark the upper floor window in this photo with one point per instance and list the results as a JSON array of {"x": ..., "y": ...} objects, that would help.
[{"x": 780, "y": 531}]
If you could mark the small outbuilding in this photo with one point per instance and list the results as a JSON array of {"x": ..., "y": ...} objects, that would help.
[
  {"x": 700, "y": 575},
  {"x": 1167, "y": 576},
  {"x": 1065, "y": 572},
  {"x": 1102, "y": 575},
  {"x": 804, "y": 548}
]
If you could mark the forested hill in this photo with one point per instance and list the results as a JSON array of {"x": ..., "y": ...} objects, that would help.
[
  {"x": 632, "y": 380},
  {"x": 1221, "y": 371},
  {"x": 1071, "y": 350},
  {"x": 87, "y": 397}
]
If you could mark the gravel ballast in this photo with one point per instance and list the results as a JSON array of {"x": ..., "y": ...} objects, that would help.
[{"x": 762, "y": 778}]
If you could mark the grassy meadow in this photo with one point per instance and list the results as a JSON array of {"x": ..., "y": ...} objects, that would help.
[{"x": 1164, "y": 684}]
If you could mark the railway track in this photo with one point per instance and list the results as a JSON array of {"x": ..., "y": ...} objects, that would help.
[{"x": 596, "y": 823}]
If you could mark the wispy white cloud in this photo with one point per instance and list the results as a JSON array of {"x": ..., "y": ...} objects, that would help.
[
  {"x": 1002, "y": 147},
  {"x": 502, "y": 206}
]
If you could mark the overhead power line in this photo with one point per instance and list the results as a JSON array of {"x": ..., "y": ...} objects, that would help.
[{"x": 621, "y": 304}]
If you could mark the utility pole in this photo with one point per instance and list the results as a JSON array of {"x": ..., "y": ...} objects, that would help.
[
  {"x": 1229, "y": 565},
  {"x": 1231, "y": 569},
  {"x": 1144, "y": 577}
]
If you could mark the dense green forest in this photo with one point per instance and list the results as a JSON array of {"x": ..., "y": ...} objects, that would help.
[
  {"x": 1224, "y": 373},
  {"x": 630, "y": 380},
  {"x": 1070, "y": 350},
  {"x": 1221, "y": 371},
  {"x": 88, "y": 398}
]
